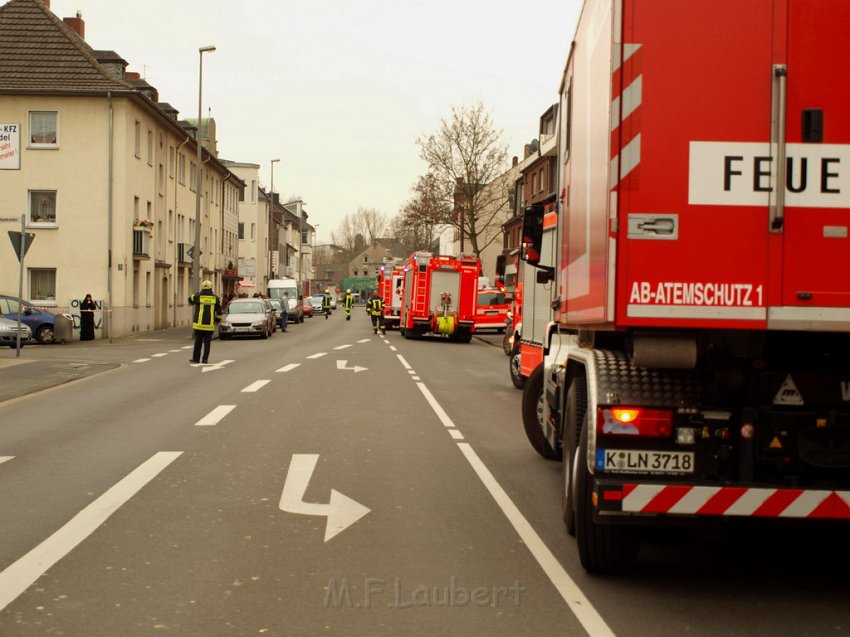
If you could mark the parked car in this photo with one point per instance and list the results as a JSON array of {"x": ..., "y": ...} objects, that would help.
[
  {"x": 39, "y": 320},
  {"x": 318, "y": 303},
  {"x": 281, "y": 313},
  {"x": 308, "y": 307},
  {"x": 491, "y": 312},
  {"x": 247, "y": 317},
  {"x": 9, "y": 333}
]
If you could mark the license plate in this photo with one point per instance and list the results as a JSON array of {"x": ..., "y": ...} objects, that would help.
[{"x": 631, "y": 461}]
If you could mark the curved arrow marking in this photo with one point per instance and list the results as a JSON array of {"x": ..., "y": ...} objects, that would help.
[
  {"x": 341, "y": 511},
  {"x": 342, "y": 365}
]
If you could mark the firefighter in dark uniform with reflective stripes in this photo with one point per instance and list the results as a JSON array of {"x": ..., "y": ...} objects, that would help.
[
  {"x": 347, "y": 303},
  {"x": 206, "y": 314},
  {"x": 376, "y": 312}
]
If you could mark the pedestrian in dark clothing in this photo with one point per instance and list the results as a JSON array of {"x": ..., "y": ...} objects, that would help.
[
  {"x": 206, "y": 314},
  {"x": 376, "y": 313},
  {"x": 87, "y": 310}
]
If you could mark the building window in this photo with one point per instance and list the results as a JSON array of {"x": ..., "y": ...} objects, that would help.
[
  {"x": 171, "y": 162},
  {"x": 42, "y": 285},
  {"x": 138, "y": 150},
  {"x": 150, "y": 148},
  {"x": 253, "y": 232},
  {"x": 182, "y": 169},
  {"x": 44, "y": 129},
  {"x": 42, "y": 206},
  {"x": 241, "y": 230}
]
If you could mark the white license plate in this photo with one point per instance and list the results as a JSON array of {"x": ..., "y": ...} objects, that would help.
[{"x": 631, "y": 461}]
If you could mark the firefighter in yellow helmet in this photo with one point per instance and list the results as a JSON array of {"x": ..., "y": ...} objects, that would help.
[
  {"x": 347, "y": 303},
  {"x": 376, "y": 312},
  {"x": 206, "y": 314},
  {"x": 326, "y": 303}
]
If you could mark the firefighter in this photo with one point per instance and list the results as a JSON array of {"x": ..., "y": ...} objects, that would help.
[
  {"x": 347, "y": 303},
  {"x": 206, "y": 314},
  {"x": 326, "y": 303},
  {"x": 376, "y": 312}
]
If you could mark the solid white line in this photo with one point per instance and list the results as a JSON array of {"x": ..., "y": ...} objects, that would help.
[
  {"x": 141, "y": 360},
  {"x": 403, "y": 362},
  {"x": 5, "y": 459},
  {"x": 255, "y": 386},
  {"x": 441, "y": 414},
  {"x": 290, "y": 367},
  {"x": 569, "y": 591},
  {"x": 215, "y": 416},
  {"x": 343, "y": 347},
  {"x": 21, "y": 575},
  {"x": 160, "y": 355},
  {"x": 319, "y": 355},
  {"x": 454, "y": 433}
]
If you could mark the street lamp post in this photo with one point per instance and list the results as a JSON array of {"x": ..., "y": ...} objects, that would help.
[
  {"x": 313, "y": 261},
  {"x": 271, "y": 221},
  {"x": 196, "y": 250}
]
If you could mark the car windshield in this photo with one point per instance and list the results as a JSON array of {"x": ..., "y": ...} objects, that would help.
[
  {"x": 278, "y": 293},
  {"x": 245, "y": 307},
  {"x": 275, "y": 303},
  {"x": 491, "y": 298},
  {"x": 317, "y": 300}
]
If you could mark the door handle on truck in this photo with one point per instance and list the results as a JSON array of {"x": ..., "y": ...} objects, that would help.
[
  {"x": 643, "y": 226},
  {"x": 778, "y": 119}
]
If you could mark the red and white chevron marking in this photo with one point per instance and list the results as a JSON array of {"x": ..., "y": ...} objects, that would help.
[
  {"x": 627, "y": 94},
  {"x": 735, "y": 501}
]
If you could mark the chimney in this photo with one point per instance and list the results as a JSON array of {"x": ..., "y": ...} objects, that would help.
[{"x": 76, "y": 24}]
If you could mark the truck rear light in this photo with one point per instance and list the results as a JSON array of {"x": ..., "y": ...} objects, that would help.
[
  {"x": 635, "y": 421},
  {"x": 686, "y": 435}
]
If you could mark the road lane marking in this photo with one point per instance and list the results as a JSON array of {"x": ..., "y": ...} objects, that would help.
[
  {"x": 441, "y": 414},
  {"x": 25, "y": 571},
  {"x": 175, "y": 351},
  {"x": 403, "y": 362},
  {"x": 393, "y": 348},
  {"x": 411, "y": 371},
  {"x": 188, "y": 347},
  {"x": 364, "y": 340},
  {"x": 343, "y": 347},
  {"x": 570, "y": 592},
  {"x": 160, "y": 355},
  {"x": 454, "y": 433},
  {"x": 215, "y": 416},
  {"x": 416, "y": 378},
  {"x": 211, "y": 367},
  {"x": 290, "y": 367},
  {"x": 5, "y": 459},
  {"x": 255, "y": 386},
  {"x": 356, "y": 368},
  {"x": 141, "y": 360},
  {"x": 319, "y": 355}
]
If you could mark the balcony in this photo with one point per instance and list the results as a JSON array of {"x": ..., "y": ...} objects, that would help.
[
  {"x": 141, "y": 243},
  {"x": 183, "y": 257}
]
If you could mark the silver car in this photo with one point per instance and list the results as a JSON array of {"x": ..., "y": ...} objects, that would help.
[
  {"x": 247, "y": 317},
  {"x": 9, "y": 333}
]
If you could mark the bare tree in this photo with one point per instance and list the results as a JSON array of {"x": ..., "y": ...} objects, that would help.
[
  {"x": 359, "y": 229},
  {"x": 466, "y": 155},
  {"x": 415, "y": 223}
]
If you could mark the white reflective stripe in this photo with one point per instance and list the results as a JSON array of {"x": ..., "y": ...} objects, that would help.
[
  {"x": 641, "y": 496},
  {"x": 632, "y": 96},
  {"x": 845, "y": 496},
  {"x": 751, "y": 500},
  {"x": 805, "y": 503},
  {"x": 694, "y": 500},
  {"x": 810, "y": 318},
  {"x": 628, "y": 159},
  {"x": 630, "y": 49},
  {"x": 697, "y": 312}
]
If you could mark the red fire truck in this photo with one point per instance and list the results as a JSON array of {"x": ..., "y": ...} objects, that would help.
[
  {"x": 697, "y": 366},
  {"x": 390, "y": 287},
  {"x": 439, "y": 296}
]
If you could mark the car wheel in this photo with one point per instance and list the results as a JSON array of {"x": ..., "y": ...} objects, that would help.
[
  {"x": 532, "y": 414},
  {"x": 515, "y": 362},
  {"x": 44, "y": 335}
]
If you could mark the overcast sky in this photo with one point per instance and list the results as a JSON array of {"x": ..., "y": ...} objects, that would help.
[{"x": 339, "y": 90}]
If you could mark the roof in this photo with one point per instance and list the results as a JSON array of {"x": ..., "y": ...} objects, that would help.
[{"x": 38, "y": 51}]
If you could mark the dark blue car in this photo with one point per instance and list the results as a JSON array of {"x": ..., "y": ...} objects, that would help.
[{"x": 39, "y": 320}]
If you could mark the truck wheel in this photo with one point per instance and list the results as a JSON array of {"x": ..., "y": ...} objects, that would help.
[
  {"x": 532, "y": 414},
  {"x": 574, "y": 421},
  {"x": 602, "y": 548},
  {"x": 514, "y": 365}
]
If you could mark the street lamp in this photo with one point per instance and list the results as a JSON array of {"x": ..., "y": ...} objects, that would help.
[
  {"x": 271, "y": 221},
  {"x": 315, "y": 270},
  {"x": 196, "y": 250}
]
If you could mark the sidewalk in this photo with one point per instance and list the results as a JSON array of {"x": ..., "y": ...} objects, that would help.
[{"x": 40, "y": 367}]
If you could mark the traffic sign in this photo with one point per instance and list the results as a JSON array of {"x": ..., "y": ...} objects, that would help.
[{"x": 16, "y": 242}]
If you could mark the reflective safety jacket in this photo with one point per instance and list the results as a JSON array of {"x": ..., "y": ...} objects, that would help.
[
  {"x": 349, "y": 301},
  {"x": 326, "y": 302},
  {"x": 376, "y": 306},
  {"x": 207, "y": 310}
]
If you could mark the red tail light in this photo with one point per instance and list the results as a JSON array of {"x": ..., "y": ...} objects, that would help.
[{"x": 634, "y": 421}]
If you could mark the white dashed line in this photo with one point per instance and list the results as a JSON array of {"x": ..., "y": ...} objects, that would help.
[
  {"x": 393, "y": 348},
  {"x": 364, "y": 340},
  {"x": 454, "y": 433},
  {"x": 141, "y": 360},
  {"x": 215, "y": 416},
  {"x": 160, "y": 355},
  {"x": 5, "y": 459},
  {"x": 174, "y": 351},
  {"x": 255, "y": 386},
  {"x": 411, "y": 372},
  {"x": 187, "y": 347},
  {"x": 343, "y": 347},
  {"x": 290, "y": 367},
  {"x": 416, "y": 378},
  {"x": 403, "y": 362},
  {"x": 319, "y": 355}
]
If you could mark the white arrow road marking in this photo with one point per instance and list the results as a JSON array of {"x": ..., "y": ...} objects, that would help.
[
  {"x": 290, "y": 367},
  {"x": 23, "y": 573},
  {"x": 5, "y": 459},
  {"x": 342, "y": 365},
  {"x": 341, "y": 511},
  {"x": 255, "y": 386},
  {"x": 319, "y": 355},
  {"x": 215, "y": 416},
  {"x": 209, "y": 367}
]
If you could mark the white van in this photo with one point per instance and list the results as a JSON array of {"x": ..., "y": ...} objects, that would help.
[{"x": 293, "y": 290}]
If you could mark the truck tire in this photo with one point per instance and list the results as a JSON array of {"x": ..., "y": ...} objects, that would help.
[
  {"x": 602, "y": 548},
  {"x": 514, "y": 365},
  {"x": 532, "y": 414},
  {"x": 574, "y": 421}
]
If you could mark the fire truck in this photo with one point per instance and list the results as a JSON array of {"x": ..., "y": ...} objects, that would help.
[
  {"x": 696, "y": 368},
  {"x": 390, "y": 287},
  {"x": 439, "y": 296}
]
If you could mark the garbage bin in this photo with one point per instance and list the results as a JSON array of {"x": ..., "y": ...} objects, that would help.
[{"x": 63, "y": 327}]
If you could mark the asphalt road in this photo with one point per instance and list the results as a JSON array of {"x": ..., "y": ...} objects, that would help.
[{"x": 329, "y": 481}]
